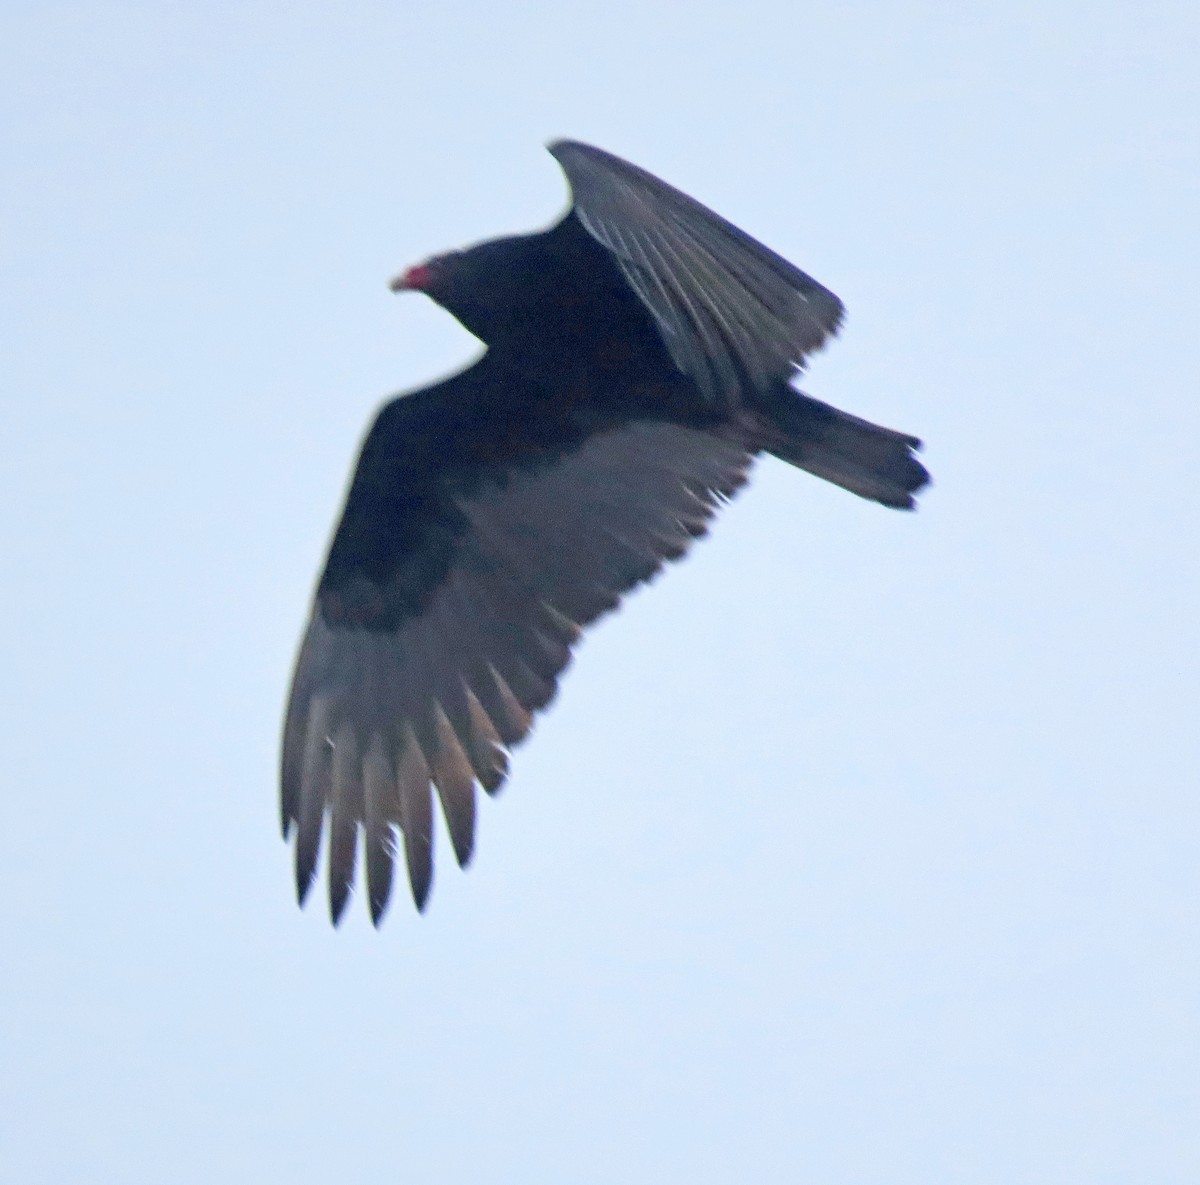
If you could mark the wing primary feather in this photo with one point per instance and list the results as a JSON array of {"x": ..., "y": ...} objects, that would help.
[
  {"x": 382, "y": 810},
  {"x": 314, "y": 795},
  {"x": 455, "y": 782},
  {"x": 488, "y": 754},
  {"x": 476, "y": 733},
  {"x": 785, "y": 343},
  {"x": 291, "y": 773},
  {"x": 416, "y": 815},
  {"x": 448, "y": 766},
  {"x": 346, "y": 805},
  {"x": 512, "y": 720}
]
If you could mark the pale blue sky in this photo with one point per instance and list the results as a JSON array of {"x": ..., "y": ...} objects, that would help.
[{"x": 862, "y": 848}]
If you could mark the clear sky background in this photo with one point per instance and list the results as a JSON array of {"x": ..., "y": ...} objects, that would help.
[{"x": 864, "y": 847}]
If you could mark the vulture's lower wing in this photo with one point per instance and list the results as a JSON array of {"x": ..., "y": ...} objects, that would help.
[
  {"x": 401, "y": 690},
  {"x": 730, "y": 310}
]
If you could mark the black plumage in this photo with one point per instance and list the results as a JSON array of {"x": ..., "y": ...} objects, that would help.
[{"x": 639, "y": 357}]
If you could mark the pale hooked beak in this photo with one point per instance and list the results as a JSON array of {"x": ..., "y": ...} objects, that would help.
[{"x": 416, "y": 279}]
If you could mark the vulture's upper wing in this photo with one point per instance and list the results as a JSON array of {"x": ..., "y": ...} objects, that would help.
[
  {"x": 730, "y": 310},
  {"x": 468, "y": 559}
]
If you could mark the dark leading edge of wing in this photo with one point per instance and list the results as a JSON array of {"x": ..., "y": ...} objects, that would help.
[
  {"x": 492, "y": 516},
  {"x": 731, "y": 311},
  {"x": 463, "y": 571}
]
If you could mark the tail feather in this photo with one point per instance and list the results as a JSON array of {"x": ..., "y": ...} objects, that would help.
[{"x": 870, "y": 461}]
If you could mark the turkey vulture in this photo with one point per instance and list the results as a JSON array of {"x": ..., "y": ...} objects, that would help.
[{"x": 638, "y": 359}]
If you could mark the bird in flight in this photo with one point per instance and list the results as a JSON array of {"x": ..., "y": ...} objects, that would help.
[{"x": 638, "y": 359}]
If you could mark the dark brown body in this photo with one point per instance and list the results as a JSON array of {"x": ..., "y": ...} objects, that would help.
[{"x": 639, "y": 358}]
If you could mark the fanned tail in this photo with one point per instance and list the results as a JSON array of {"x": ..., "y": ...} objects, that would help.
[{"x": 870, "y": 461}]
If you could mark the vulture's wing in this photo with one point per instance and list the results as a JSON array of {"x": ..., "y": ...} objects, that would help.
[
  {"x": 730, "y": 310},
  {"x": 469, "y": 557}
]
